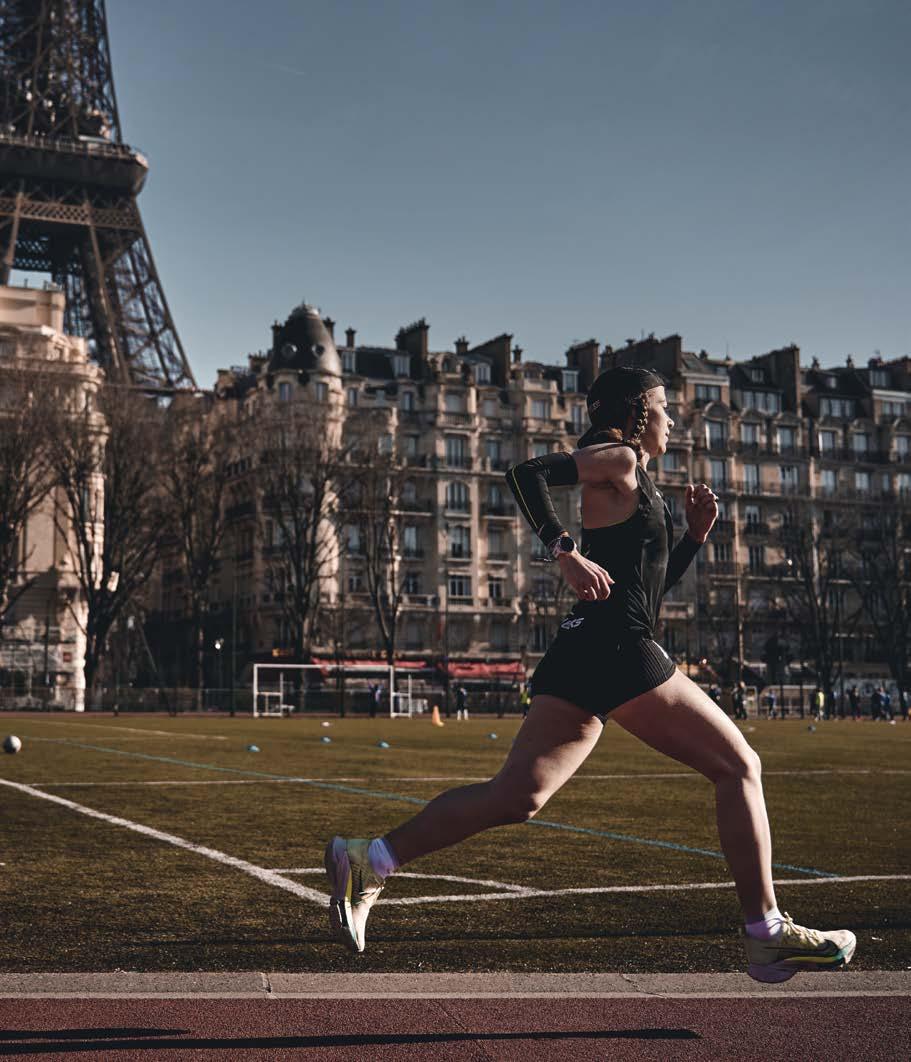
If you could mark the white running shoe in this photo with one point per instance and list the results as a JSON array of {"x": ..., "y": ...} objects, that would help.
[
  {"x": 355, "y": 889},
  {"x": 797, "y": 948}
]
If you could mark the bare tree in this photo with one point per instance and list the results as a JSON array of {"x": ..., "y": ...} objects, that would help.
[
  {"x": 26, "y": 474},
  {"x": 879, "y": 570},
  {"x": 373, "y": 503},
  {"x": 106, "y": 464},
  {"x": 811, "y": 585},
  {"x": 300, "y": 461},
  {"x": 194, "y": 478}
]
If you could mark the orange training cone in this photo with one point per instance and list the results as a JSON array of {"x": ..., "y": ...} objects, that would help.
[{"x": 435, "y": 716}]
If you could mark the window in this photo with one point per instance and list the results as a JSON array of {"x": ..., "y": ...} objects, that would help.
[
  {"x": 828, "y": 480},
  {"x": 459, "y": 586},
  {"x": 322, "y": 391},
  {"x": 499, "y": 636},
  {"x": 708, "y": 392},
  {"x": 401, "y": 363},
  {"x": 349, "y": 361},
  {"x": 539, "y": 449},
  {"x": 892, "y": 408},
  {"x": 862, "y": 482},
  {"x": 539, "y": 639},
  {"x": 351, "y": 396},
  {"x": 496, "y": 544},
  {"x": 672, "y": 461},
  {"x": 578, "y": 418},
  {"x": 457, "y": 451},
  {"x": 901, "y": 445},
  {"x": 409, "y": 491},
  {"x": 722, "y": 552},
  {"x": 454, "y": 402},
  {"x": 757, "y": 375},
  {"x": 353, "y": 538},
  {"x": 827, "y": 441},
  {"x": 495, "y": 588},
  {"x": 764, "y": 401},
  {"x": 482, "y": 373},
  {"x": 385, "y": 443},
  {"x": 457, "y": 497},
  {"x": 355, "y": 583},
  {"x": 490, "y": 407},
  {"x": 284, "y": 392},
  {"x": 752, "y": 515},
  {"x": 718, "y": 470},
  {"x": 570, "y": 379},
  {"x": 493, "y": 448},
  {"x": 407, "y": 401},
  {"x": 903, "y": 483},
  {"x": 861, "y": 442},
  {"x": 787, "y": 439},
  {"x": 495, "y": 494},
  {"x": 749, "y": 434},
  {"x": 751, "y": 477},
  {"x": 412, "y": 584},
  {"x": 879, "y": 377},
  {"x": 410, "y": 545},
  {"x": 540, "y": 408},
  {"x": 787, "y": 475},
  {"x": 717, "y": 434},
  {"x": 756, "y": 558},
  {"x": 538, "y": 549},
  {"x": 410, "y": 445},
  {"x": 459, "y": 541},
  {"x": 836, "y": 407}
]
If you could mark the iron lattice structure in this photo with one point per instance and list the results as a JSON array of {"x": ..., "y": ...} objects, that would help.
[{"x": 69, "y": 187}]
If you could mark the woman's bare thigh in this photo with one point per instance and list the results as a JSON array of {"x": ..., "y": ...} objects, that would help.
[
  {"x": 551, "y": 745},
  {"x": 680, "y": 720}
]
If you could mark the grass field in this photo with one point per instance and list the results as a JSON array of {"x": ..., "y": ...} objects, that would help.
[{"x": 83, "y": 893}]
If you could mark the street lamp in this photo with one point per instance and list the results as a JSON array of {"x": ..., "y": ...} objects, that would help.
[{"x": 219, "y": 645}]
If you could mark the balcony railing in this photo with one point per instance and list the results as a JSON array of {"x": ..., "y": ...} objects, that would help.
[
  {"x": 498, "y": 555},
  {"x": 498, "y": 509},
  {"x": 457, "y": 461},
  {"x": 755, "y": 527},
  {"x": 455, "y": 420},
  {"x": 457, "y": 506}
]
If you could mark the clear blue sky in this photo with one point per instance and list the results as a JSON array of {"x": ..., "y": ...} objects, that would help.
[{"x": 737, "y": 172}]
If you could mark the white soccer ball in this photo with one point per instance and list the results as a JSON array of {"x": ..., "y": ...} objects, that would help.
[{"x": 11, "y": 744}]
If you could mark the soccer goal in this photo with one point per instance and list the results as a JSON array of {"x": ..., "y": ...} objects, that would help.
[{"x": 285, "y": 689}]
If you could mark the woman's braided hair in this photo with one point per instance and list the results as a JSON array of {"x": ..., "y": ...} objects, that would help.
[{"x": 635, "y": 406}]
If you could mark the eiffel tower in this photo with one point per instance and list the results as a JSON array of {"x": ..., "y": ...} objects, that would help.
[{"x": 68, "y": 190}]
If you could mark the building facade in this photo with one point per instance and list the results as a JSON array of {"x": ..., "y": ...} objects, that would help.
[
  {"x": 476, "y": 586},
  {"x": 42, "y": 648}
]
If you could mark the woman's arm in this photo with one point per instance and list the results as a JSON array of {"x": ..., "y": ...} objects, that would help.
[{"x": 701, "y": 514}]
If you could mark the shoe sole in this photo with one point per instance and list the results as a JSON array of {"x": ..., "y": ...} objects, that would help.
[
  {"x": 338, "y": 870},
  {"x": 776, "y": 972}
]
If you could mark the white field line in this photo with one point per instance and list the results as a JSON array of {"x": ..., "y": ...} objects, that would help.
[
  {"x": 268, "y": 876},
  {"x": 278, "y": 879},
  {"x": 131, "y": 729},
  {"x": 517, "y": 892},
  {"x": 450, "y": 778}
]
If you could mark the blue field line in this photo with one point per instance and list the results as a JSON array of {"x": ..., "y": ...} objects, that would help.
[{"x": 400, "y": 798}]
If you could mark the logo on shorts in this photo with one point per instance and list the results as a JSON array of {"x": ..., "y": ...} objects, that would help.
[{"x": 568, "y": 623}]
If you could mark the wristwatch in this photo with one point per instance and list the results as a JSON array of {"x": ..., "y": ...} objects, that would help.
[{"x": 560, "y": 546}]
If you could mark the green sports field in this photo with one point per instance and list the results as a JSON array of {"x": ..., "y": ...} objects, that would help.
[{"x": 215, "y": 862}]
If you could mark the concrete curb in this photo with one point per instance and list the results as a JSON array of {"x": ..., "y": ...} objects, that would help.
[{"x": 257, "y": 985}]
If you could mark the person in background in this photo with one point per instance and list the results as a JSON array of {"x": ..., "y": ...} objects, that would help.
[
  {"x": 770, "y": 701},
  {"x": 819, "y": 705},
  {"x": 854, "y": 701},
  {"x": 876, "y": 703}
]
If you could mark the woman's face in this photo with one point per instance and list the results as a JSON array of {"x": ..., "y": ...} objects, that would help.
[{"x": 658, "y": 430}]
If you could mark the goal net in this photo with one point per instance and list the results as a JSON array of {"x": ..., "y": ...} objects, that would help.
[{"x": 286, "y": 689}]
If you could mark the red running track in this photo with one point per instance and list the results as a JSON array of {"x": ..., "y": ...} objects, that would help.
[{"x": 520, "y": 1029}]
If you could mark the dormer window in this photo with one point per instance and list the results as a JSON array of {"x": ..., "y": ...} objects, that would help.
[
  {"x": 349, "y": 361},
  {"x": 831, "y": 382},
  {"x": 284, "y": 392},
  {"x": 401, "y": 363},
  {"x": 879, "y": 377},
  {"x": 570, "y": 380},
  {"x": 757, "y": 375},
  {"x": 482, "y": 373}
]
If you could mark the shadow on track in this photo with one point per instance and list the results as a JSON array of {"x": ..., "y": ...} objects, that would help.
[{"x": 91, "y": 1037}]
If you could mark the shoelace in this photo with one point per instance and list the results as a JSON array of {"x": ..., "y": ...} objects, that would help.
[{"x": 804, "y": 936}]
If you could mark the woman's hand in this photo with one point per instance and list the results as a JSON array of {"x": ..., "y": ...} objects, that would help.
[
  {"x": 590, "y": 581},
  {"x": 701, "y": 511}
]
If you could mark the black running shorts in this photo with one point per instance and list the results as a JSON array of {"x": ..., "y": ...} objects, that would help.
[{"x": 595, "y": 670}]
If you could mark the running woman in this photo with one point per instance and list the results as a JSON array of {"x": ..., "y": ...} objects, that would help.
[{"x": 605, "y": 661}]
